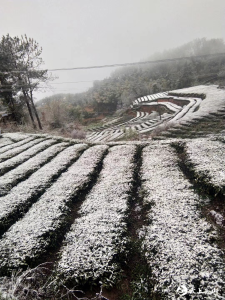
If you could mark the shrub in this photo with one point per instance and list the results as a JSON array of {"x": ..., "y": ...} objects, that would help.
[{"x": 78, "y": 134}]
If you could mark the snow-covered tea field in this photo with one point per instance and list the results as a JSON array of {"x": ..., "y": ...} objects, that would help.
[
  {"x": 87, "y": 208},
  {"x": 168, "y": 110}
]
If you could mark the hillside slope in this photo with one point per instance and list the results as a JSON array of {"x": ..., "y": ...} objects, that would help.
[{"x": 168, "y": 110}]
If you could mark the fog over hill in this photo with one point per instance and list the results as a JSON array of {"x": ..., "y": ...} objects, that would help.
[{"x": 128, "y": 83}]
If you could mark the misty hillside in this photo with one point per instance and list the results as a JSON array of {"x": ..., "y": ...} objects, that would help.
[
  {"x": 128, "y": 83},
  {"x": 188, "y": 112}
]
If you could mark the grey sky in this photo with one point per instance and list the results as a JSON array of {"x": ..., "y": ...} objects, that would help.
[{"x": 77, "y": 33}]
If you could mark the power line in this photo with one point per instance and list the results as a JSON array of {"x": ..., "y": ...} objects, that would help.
[
  {"x": 140, "y": 63},
  {"x": 44, "y": 87},
  {"x": 72, "y": 82},
  {"x": 125, "y": 64},
  {"x": 25, "y": 85}
]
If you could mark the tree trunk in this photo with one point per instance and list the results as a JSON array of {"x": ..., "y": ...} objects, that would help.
[
  {"x": 35, "y": 111},
  {"x": 26, "y": 97}
]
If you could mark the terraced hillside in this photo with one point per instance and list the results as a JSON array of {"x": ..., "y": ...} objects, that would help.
[
  {"x": 179, "y": 111},
  {"x": 123, "y": 220}
]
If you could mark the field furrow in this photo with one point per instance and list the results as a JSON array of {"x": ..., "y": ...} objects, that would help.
[
  {"x": 13, "y": 162},
  {"x": 185, "y": 262},
  {"x": 5, "y": 142},
  {"x": 27, "y": 168},
  {"x": 98, "y": 237},
  {"x": 13, "y": 146},
  {"x": 17, "y": 136},
  {"x": 207, "y": 160},
  {"x": 18, "y": 150},
  {"x": 47, "y": 219},
  {"x": 20, "y": 198}
]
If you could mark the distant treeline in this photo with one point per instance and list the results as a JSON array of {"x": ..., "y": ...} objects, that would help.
[{"x": 128, "y": 83}]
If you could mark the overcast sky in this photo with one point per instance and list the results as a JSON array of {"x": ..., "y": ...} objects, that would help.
[{"x": 76, "y": 33}]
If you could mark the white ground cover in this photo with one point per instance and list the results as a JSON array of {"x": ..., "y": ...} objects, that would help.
[
  {"x": 217, "y": 217},
  {"x": 214, "y": 101},
  {"x": 28, "y": 167},
  {"x": 170, "y": 106},
  {"x": 97, "y": 236},
  {"x": 15, "y": 151},
  {"x": 39, "y": 228},
  {"x": 15, "y": 136},
  {"x": 5, "y": 142},
  {"x": 25, "y": 155},
  {"x": 185, "y": 110},
  {"x": 185, "y": 263},
  {"x": 17, "y": 144},
  {"x": 21, "y": 195},
  {"x": 208, "y": 160}
]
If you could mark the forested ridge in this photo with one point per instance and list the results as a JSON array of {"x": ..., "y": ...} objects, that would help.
[{"x": 128, "y": 83}]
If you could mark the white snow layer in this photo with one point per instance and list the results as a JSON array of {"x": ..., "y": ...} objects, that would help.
[
  {"x": 21, "y": 195},
  {"x": 34, "y": 147},
  {"x": 16, "y": 136},
  {"x": 29, "y": 166},
  {"x": 98, "y": 236},
  {"x": 30, "y": 236},
  {"x": 184, "y": 263},
  {"x": 208, "y": 159},
  {"x": 15, "y": 145},
  {"x": 215, "y": 100},
  {"x": 4, "y": 142}
]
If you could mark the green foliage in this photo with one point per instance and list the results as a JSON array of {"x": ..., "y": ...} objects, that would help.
[
  {"x": 20, "y": 74},
  {"x": 130, "y": 135}
]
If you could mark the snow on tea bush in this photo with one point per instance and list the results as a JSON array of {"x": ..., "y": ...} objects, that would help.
[
  {"x": 214, "y": 100},
  {"x": 98, "y": 236},
  {"x": 28, "y": 167},
  {"x": 4, "y": 142},
  {"x": 40, "y": 227},
  {"x": 208, "y": 160},
  {"x": 25, "y": 155},
  {"x": 184, "y": 263},
  {"x": 21, "y": 195},
  {"x": 15, "y": 151},
  {"x": 16, "y": 136},
  {"x": 15, "y": 145}
]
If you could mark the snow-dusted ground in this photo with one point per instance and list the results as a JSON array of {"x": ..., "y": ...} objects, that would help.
[
  {"x": 98, "y": 235},
  {"x": 21, "y": 196},
  {"x": 208, "y": 158},
  {"x": 179, "y": 243},
  {"x": 28, "y": 167},
  {"x": 195, "y": 109},
  {"x": 16, "y": 136},
  {"x": 30, "y": 236},
  {"x": 185, "y": 263},
  {"x": 23, "y": 155},
  {"x": 4, "y": 142},
  {"x": 12, "y": 146},
  {"x": 214, "y": 101}
]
